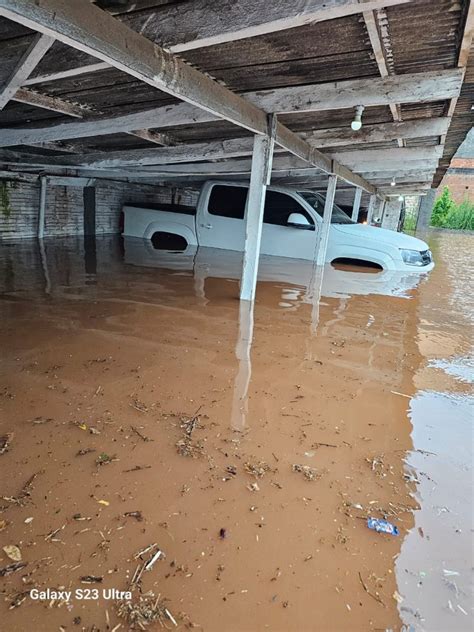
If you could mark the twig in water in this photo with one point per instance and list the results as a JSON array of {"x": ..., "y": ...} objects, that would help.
[{"x": 368, "y": 591}]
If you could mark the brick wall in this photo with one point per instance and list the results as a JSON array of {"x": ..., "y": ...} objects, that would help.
[
  {"x": 460, "y": 179},
  {"x": 65, "y": 206}
]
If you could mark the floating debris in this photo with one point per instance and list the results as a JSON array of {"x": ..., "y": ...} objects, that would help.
[
  {"x": 382, "y": 526},
  {"x": 5, "y": 441},
  {"x": 253, "y": 487},
  {"x": 12, "y": 568},
  {"x": 156, "y": 556},
  {"x": 310, "y": 473},
  {"x": 143, "y": 610},
  {"x": 187, "y": 447},
  {"x": 139, "y": 434},
  {"x": 138, "y": 405},
  {"x": 222, "y": 533},
  {"x": 105, "y": 459},
  {"x": 137, "y": 468},
  {"x": 51, "y": 535},
  {"x": 190, "y": 424},
  {"x": 257, "y": 469},
  {"x": 18, "y": 599},
  {"x": 25, "y": 492},
  {"x": 85, "y": 451},
  {"x": 134, "y": 514},
  {"x": 13, "y": 552},
  {"x": 91, "y": 579}
]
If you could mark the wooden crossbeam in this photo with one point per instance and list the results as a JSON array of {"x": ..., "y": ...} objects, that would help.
[
  {"x": 409, "y": 88},
  {"x": 29, "y": 60},
  {"x": 420, "y": 128},
  {"x": 55, "y": 104},
  {"x": 158, "y": 138},
  {"x": 371, "y": 23},
  {"x": 30, "y": 97}
]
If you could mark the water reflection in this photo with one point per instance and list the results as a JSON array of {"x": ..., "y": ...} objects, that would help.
[
  {"x": 242, "y": 353},
  {"x": 306, "y": 282}
]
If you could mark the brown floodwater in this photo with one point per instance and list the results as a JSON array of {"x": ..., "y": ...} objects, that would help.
[{"x": 141, "y": 404}]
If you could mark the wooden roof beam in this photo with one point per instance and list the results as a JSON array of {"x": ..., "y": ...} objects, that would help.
[
  {"x": 411, "y": 88},
  {"x": 383, "y": 132},
  {"x": 371, "y": 19},
  {"x": 54, "y": 104}
]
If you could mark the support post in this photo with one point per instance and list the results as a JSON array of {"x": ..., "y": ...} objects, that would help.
[
  {"x": 259, "y": 179},
  {"x": 371, "y": 208},
  {"x": 326, "y": 225},
  {"x": 356, "y": 205},
  {"x": 42, "y": 206}
]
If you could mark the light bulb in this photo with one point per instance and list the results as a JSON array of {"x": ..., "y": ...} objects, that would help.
[
  {"x": 393, "y": 183},
  {"x": 400, "y": 198},
  {"x": 357, "y": 122}
]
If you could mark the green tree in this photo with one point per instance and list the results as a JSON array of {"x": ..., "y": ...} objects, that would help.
[{"x": 444, "y": 205}]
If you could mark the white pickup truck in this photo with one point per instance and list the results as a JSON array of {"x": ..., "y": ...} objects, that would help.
[{"x": 291, "y": 226}]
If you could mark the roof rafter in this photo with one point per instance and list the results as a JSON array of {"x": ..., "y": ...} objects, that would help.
[{"x": 29, "y": 60}]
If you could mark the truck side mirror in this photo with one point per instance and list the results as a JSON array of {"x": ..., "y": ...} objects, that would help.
[{"x": 298, "y": 220}]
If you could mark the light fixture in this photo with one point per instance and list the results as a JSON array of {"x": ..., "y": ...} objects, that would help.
[
  {"x": 357, "y": 122},
  {"x": 393, "y": 183},
  {"x": 400, "y": 198}
]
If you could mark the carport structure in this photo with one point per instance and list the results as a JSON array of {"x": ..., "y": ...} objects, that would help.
[{"x": 188, "y": 90}]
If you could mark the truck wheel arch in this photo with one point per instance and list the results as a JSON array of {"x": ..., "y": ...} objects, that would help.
[{"x": 173, "y": 228}]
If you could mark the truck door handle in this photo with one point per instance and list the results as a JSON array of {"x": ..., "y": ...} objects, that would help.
[{"x": 206, "y": 225}]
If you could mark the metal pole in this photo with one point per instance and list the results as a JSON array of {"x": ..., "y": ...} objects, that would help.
[
  {"x": 42, "y": 206},
  {"x": 324, "y": 235},
  {"x": 262, "y": 158},
  {"x": 356, "y": 205}
]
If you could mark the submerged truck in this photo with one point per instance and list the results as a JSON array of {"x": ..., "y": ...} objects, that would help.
[{"x": 292, "y": 222}]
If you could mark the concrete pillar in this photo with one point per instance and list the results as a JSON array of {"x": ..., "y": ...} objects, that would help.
[
  {"x": 260, "y": 174},
  {"x": 391, "y": 216},
  {"x": 425, "y": 209},
  {"x": 370, "y": 209},
  {"x": 42, "y": 206},
  {"x": 326, "y": 225},
  {"x": 356, "y": 205}
]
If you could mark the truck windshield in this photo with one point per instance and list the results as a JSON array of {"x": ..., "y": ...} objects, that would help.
[{"x": 317, "y": 202}]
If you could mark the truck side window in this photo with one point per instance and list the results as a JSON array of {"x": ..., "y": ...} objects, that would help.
[
  {"x": 228, "y": 201},
  {"x": 279, "y": 206}
]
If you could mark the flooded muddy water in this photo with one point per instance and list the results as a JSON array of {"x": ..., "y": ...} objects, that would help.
[{"x": 143, "y": 409}]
